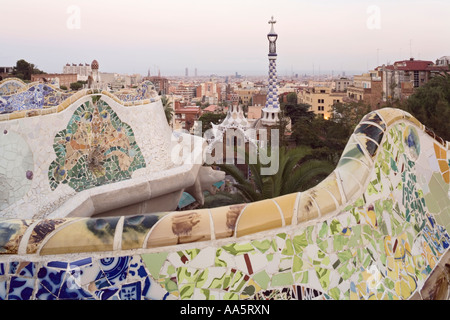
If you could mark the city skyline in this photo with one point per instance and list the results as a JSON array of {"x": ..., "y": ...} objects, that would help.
[{"x": 222, "y": 37}]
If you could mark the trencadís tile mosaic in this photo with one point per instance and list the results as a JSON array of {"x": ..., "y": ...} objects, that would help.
[{"x": 374, "y": 229}]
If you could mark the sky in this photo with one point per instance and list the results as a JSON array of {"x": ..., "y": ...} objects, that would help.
[{"x": 222, "y": 37}]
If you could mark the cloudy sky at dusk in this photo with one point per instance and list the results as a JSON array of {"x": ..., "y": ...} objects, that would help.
[{"x": 222, "y": 37}]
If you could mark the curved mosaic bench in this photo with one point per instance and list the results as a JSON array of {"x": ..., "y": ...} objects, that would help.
[
  {"x": 376, "y": 228},
  {"x": 93, "y": 154},
  {"x": 41, "y": 98},
  {"x": 11, "y": 85}
]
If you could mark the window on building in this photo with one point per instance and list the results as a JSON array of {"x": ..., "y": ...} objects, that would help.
[{"x": 416, "y": 79}]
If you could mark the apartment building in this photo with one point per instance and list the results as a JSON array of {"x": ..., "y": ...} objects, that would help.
[
  {"x": 321, "y": 99},
  {"x": 403, "y": 77},
  {"x": 185, "y": 115},
  {"x": 209, "y": 92},
  {"x": 367, "y": 87}
]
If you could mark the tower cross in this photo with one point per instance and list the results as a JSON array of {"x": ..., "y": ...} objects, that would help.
[{"x": 272, "y": 21}]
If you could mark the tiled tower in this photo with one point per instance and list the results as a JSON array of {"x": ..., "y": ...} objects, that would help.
[{"x": 272, "y": 108}]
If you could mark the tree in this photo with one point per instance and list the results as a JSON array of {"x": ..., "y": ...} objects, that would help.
[
  {"x": 209, "y": 118},
  {"x": 296, "y": 172},
  {"x": 168, "y": 110},
  {"x": 24, "y": 70},
  {"x": 76, "y": 86},
  {"x": 328, "y": 138},
  {"x": 430, "y": 104},
  {"x": 294, "y": 110},
  {"x": 349, "y": 115}
]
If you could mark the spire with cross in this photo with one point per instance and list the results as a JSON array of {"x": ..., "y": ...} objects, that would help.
[{"x": 271, "y": 110}]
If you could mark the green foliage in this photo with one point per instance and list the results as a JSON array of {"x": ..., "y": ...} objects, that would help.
[
  {"x": 76, "y": 86},
  {"x": 168, "y": 110},
  {"x": 430, "y": 104},
  {"x": 328, "y": 138},
  {"x": 208, "y": 118},
  {"x": 24, "y": 70},
  {"x": 296, "y": 111},
  {"x": 296, "y": 172}
]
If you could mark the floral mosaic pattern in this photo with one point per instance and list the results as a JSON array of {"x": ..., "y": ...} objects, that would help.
[
  {"x": 96, "y": 148},
  {"x": 34, "y": 97},
  {"x": 383, "y": 244}
]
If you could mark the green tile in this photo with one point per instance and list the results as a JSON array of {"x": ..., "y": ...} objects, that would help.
[
  {"x": 282, "y": 279},
  {"x": 262, "y": 278}
]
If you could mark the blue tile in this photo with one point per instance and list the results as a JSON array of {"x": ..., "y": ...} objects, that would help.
[{"x": 131, "y": 291}]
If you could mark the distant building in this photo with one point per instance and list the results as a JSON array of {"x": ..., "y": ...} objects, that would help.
[
  {"x": 58, "y": 79},
  {"x": 186, "y": 90},
  {"x": 246, "y": 95},
  {"x": 94, "y": 79},
  {"x": 212, "y": 109},
  {"x": 81, "y": 70},
  {"x": 259, "y": 98},
  {"x": 443, "y": 61},
  {"x": 161, "y": 84},
  {"x": 368, "y": 88},
  {"x": 403, "y": 77},
  {"x": 321, "y": 99},
  {"x": 185, "y": 116},
  {"x": 209, "y": 92},
  {"x": 341, "y": 85},
  {"x": 6, "y": 72}
]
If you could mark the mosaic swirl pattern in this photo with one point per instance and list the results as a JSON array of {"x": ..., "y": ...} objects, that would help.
[
  {"x": 32, "y": 97},
  {"x": 10, "y": 86},
  {"x": 145, "y": 90},
  {"x": 376, "y": 228}
]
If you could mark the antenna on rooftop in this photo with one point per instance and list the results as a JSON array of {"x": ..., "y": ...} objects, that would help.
[
  {"x": 410, "y": 48},
  {"x": 378, "y": 57}
]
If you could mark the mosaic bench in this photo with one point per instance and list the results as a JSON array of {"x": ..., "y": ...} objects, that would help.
[{"x": 376, "y": 228}]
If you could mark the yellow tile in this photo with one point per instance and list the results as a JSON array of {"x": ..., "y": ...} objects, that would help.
[
  {"x": 136, "y": 229},
  {"x": 307, "y": 209},
  {"x": 350, "y": 176},
  {"x": 446, "y": 176},
  {"x": 440, "y": 153},
  {"x": 181, "y": 227},
  {"x": 390, "y": 115},
  {"x": 323, "y": 194},
  {"x": 443, "y": 165},
  {"x": 411, "y": 118},
  {"x": 42, "y": 230},
  {"x": 17, "y": 115},
  {"x": 258, "y": 216},
  {"x": 287, "y": 204},
  {"x": 225, "y": 218},
  {"x": 83, "y": 235}
]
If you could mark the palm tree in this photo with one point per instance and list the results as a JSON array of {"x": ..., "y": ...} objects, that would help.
[
  {"x": 296, "y": 172},
  {"x": 168, "y": 110}
]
